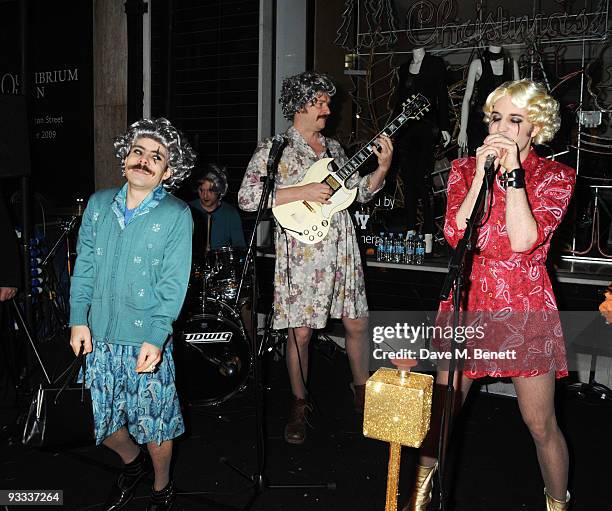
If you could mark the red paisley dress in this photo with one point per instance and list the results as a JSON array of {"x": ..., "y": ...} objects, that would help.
[{"x": 509, "y": 292}]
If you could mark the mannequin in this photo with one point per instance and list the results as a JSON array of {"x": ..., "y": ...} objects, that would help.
[
  {"x": 425, "y": 74},
  {"x": 495, "y": 67},
  {"x": 418, "y": 55}
]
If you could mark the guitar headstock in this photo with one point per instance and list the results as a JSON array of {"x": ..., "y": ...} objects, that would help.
[{"x": 415, "y": 106}]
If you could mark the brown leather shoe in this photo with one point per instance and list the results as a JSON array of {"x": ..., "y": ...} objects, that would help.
[
  {"x": 358, "y": 397},
  {"x": 295, "y": 430}
]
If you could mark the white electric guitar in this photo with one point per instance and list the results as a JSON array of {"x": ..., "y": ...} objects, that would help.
[{"x": 309, "y": 221}]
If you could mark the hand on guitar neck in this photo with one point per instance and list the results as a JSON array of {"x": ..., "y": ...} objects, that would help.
[{"x": 383, "y": 150}]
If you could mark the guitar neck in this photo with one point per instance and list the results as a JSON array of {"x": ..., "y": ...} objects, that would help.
[{"x": 359, "y": 158}]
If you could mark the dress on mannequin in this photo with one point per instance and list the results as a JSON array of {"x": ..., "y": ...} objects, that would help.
[
  {"x": 425, "y": 74},
  {"x": 485, "y": 75}
]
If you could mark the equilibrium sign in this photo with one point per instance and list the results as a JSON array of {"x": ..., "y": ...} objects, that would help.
[{"x": 60, "y": 92}]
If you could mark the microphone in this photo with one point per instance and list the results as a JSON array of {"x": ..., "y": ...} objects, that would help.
[
  {"x": 489, "y": 164},
  {"x": 278, "y": 142},
  {"x": 228, "y": 365}
]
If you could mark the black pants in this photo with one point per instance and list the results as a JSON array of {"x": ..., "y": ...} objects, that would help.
[{"x": 416, "y": 159}]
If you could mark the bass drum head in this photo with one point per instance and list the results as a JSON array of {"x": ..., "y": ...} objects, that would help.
[{"x": 212, "y": 355}]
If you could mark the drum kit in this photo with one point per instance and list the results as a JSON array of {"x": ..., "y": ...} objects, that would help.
[{"x": 212, "y": 349}]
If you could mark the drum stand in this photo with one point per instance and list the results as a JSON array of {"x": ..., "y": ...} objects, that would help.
[
  {"x": 276, "y": 342},
  {"x": 258, "y": 479}
]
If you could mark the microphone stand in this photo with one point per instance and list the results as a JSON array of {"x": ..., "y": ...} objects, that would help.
[
  {"x": 258, "y": 479},
  {"x": 454, "y": 280}
]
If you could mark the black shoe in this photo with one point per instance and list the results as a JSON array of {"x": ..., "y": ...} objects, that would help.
[
  {"x": 162, "y": 500},
  {"x": 125, "y": 486}
]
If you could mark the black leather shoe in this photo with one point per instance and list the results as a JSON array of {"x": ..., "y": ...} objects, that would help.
[
  {"x": 162, "y": 500},
  {"x": 123, "y": 490}
]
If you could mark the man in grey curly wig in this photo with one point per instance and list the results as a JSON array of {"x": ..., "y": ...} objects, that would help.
[
  {"x": 315, "y": 282},
  {"x": 180, "y": 155},
  {"x": 129, "y": 283},
  {"x": 300, "y": 90}
]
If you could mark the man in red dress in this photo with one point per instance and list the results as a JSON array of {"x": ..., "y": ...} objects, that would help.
[{"x": 508, "y": 285}]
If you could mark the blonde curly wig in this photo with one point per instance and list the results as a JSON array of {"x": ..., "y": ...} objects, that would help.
[{"x": 542, "y": 109}]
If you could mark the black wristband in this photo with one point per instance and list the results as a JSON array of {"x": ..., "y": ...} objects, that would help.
[{"x": 515, "y": 178}]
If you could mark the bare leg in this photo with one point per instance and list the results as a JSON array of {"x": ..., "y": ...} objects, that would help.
[
  {"x": 536, "y": 402},
  {"x": 358, "y": 348},
  {"x": 301, "y": 335},
  {"x": 421, "y": 493},
  {"x": 161, "y": 455},
  {"x": 429, "y": 450},
  {"x": 121, "y": 442}
]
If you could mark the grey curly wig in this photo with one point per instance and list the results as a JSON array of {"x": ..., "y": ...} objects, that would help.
[
  {"x": 181, "y": 157},
  {"x": 218, "y": 177},
  {"x": 300, "y": 89}
]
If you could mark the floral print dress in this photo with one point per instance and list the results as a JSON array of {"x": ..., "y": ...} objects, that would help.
[{"x": 311, "y": 282}]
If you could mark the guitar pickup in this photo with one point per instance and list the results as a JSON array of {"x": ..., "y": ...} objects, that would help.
[
  {"x": 310, "y": 208},
  {"x": 332, "y": 182}
]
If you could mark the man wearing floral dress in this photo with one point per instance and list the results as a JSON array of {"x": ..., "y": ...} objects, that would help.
[{"x": 315, "y": 282}]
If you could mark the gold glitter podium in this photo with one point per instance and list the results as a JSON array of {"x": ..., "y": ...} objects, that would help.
[{"x": 397, "y": 410}]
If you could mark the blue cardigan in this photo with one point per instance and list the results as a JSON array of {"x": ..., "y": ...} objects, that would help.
[{"x": 129, "y": 281}]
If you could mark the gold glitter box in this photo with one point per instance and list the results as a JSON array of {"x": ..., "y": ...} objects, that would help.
[{"x": 398, "y": 406}]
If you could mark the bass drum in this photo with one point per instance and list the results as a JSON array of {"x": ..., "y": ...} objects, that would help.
[{"x": 213, "y": 355}]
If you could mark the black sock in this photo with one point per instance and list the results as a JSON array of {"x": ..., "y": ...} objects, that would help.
[
  {"x": 164, "y": 492},
  {"x": 135, "y": 467}
]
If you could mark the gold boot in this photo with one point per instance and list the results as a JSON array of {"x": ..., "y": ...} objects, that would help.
[
  {"x": 556, "y": 505},
  {"x": 423, "y": 485}
]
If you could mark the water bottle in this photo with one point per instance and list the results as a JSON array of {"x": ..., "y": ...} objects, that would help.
[
  {"x": 399, "y": 249},
  {"x": 409, "y": 254},
  {"x": 385, "y": 250},
  {"x": 419, "y": 250},
  {"x": 380, "y": 247},
  {"x": 389, "y": 248}
]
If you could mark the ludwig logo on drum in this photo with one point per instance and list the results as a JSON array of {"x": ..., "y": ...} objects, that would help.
[{"x": 205, "y": 337}]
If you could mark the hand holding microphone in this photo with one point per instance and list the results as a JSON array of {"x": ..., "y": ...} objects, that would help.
[
  {"x": 507, "y": 151},
  {"x": 487, "y": 159},
  {"x": 489, "y": 165}
]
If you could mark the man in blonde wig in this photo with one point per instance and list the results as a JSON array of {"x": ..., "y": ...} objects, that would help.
[{"x": 530, "y": 196}]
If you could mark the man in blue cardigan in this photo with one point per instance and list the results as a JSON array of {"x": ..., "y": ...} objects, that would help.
[{"x": 129, "y": 283}]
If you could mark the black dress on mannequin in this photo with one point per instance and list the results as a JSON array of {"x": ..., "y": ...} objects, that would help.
[
  {"x": 417, "y": 139},
  {"x": 488, "y": 82}
]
